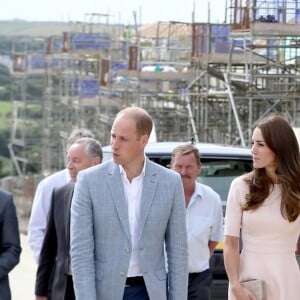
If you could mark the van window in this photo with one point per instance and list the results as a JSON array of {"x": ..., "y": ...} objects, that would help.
[{"x": 218, "y": 174}]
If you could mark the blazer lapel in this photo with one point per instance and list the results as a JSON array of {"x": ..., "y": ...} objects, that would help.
[
  {"x": 115, "y": 186},
  {"x": 149, "y": 187},
  {"x": 67, "y": 208}
]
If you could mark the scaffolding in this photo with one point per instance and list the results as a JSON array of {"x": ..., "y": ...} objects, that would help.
[
  {"x": 157, "y": 75},
  {"x": 257, "y": 76},
  {"x": 26, "y": 67},
  {"x": 206, "y": 81},
  {"x": 75, "y": 70}
]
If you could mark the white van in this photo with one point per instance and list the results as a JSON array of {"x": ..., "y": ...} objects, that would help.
[{"x": 220, "y": 164}]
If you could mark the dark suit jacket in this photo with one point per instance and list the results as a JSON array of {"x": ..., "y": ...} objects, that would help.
[
  {"x": 10, "y": 248},
  {"x": 56, "y": 245}
]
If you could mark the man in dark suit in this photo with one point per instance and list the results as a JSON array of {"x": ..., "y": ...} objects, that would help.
[
  {"x": 83, "y": 154},
  {"x": 10, "y": 248}
]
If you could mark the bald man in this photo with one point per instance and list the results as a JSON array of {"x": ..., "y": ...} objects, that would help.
[{"x": 123, "y": 214}]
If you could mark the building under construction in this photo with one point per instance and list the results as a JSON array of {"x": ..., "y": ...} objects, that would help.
[
  {"x": 253, "y": 72},
  {"x": 209, "y": 82}
]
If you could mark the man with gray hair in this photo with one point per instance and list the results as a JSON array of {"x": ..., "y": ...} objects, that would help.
[
  {"x": 54, "y": 255},
  {"x": 42, "y": 198}
]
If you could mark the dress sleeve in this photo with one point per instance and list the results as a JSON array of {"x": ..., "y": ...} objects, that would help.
[{"x": 233, "y": 215}]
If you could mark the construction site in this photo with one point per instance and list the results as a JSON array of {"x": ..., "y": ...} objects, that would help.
[{"x": 206, "y": 81}]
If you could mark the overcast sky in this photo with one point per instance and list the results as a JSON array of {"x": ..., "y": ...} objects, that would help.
[{"x": 147, "y": 11}]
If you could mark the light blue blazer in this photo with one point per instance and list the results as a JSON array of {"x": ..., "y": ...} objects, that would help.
[{"x": 100, "y": 234}]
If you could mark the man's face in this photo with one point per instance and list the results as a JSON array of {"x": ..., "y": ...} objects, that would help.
[
  {"x": 187, "y": 166},
  {"x": 78, "y": 159},
  {"x": 126, "y": 146}
]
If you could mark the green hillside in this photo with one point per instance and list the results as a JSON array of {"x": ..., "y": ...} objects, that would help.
[
  {"x": 44, "y": 29},
  {"x": 26, "y": 28},
  {"x": 5, "y": 112},
  {"x": 5, "y": 124}
]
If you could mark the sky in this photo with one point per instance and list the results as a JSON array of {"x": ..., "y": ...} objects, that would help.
[{"x": 119, "y": 11}]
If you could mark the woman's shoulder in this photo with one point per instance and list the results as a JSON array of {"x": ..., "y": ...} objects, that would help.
[
  {"x": 241, "y": 181},
  {"x": 243, "y": 178}
]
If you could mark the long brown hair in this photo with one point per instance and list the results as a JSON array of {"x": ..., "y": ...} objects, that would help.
[{"x": 280, "y": 138}]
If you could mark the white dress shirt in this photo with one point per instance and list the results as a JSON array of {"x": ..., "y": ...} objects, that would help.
[
  {"x": 40, "y": 209},
  {"x": 204, "y": 223},
  {"x": 133, "y": 195}
]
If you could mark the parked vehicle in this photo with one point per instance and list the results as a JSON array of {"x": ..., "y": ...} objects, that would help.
[{"x": 220, "y": 164}]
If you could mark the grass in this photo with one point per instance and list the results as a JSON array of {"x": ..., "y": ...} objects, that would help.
[
  {"x": 5, "y": 123},
  {"x": 5, "y": 166},
  {"x": 5, "y": 114},
  {"x": 27, "y": 28}
]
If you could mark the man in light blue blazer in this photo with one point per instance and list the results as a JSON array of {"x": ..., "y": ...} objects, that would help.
[{"x": 126, "y": 215}]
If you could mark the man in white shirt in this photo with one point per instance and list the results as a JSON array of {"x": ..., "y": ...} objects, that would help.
[
  {"x": 204, "y": 220},
  {"x": 42, "y": 198},
  {"x": 123, "y": 212}
]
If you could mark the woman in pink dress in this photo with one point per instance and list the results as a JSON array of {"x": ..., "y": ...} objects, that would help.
[{"x": 264, "y": 206}]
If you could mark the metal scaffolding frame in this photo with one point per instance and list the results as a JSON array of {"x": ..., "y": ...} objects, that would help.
[
  {"x": 206, "y": 81},
  {"x": 259, "y": 74},
  {"x": 23, "y": 71}
]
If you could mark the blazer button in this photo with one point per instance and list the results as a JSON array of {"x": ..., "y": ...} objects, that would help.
[{"x": 127, "y": 250}]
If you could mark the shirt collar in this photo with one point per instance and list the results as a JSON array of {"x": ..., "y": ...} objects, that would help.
[
  {"x": 123, "y": 173},
  {"x": 198, "y": 191},
  {"x": 67, "y": 175}
]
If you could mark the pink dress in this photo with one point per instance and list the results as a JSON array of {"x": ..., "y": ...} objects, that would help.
[{"x": 269, "y": 242}]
